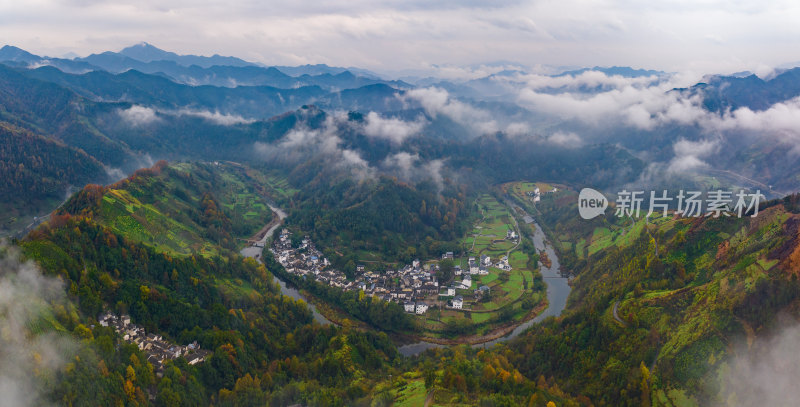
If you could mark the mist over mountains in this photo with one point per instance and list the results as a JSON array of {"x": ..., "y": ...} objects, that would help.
[{"x": 619, "y": 126}]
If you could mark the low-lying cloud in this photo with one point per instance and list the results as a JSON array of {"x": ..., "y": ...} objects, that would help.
[
  {"x": 587, "y": 79},
  {"x": 216, "y": 117},
  {"x": 647, "y": 102},
  {"x": 689, "y": 155},
  {"x": 28, "y": 361},
  {"x": 138, "y": 115},
  {"x": 393, "y": 129},
  {"x": 141, "y": 115},
  {"x": 436, "y": 101},
  {"x": 411, "y": 168},
  {"x": 303, "y": 143},
  {"x": 565, "y": 139},
  {"x": 766, "y": 374},
  {"x": 325, "y": 143}
]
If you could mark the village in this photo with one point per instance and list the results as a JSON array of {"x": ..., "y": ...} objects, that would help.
[
  {"x": 415, "y": 286},
  {"x": 157, "y": 349}
]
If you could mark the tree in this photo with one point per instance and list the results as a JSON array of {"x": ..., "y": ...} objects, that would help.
[
  {"x": 445, "y": 273},
  {"x": 430, "y": 377}
]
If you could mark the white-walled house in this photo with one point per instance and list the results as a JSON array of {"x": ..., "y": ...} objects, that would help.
[
  {"x": 458, "y": 302},
  {"x": 421, "y": 308},
  {"x": 466, "y": 283},
  {"x": 473, "y": 266},
  {"x": 409, "y": 306}
]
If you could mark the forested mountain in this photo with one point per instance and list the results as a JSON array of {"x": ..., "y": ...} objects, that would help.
[
  {"x": 721, "y": 93},
  {"x": 38, "y": 173},
  {"x": 671, "y": 314},
  {"x": 181, "y": 209},
  {"x": 265, "y": 347},
  {"x": 662, "y": 311},
  {"x": 681, "y": 309}
]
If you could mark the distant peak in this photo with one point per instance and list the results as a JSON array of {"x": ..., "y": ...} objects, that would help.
[
  {"x": 143, "y": 44},
  {"x": 145, "y": 52},
  {"x": 12, "y": 53}
]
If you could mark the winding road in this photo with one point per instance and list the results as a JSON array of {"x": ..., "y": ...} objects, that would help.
[{"x": 616, "y": 315}]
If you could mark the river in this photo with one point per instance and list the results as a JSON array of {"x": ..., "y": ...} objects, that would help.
[
  {"x": 255, "y": 252},
  {"x": 557, "y": 292},
  {"x": 557, "y": 286}
]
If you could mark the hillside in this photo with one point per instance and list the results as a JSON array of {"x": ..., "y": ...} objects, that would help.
[
  {"x": 668, "y": 329},
  {"x": 38, "y": 174},
  {"x": 181, "y": 209},
  {"x": 104, "y": 247}
]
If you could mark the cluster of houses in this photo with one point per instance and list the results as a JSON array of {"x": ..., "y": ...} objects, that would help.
[
  {"x": 157, "y": 349},
  {"x": 411, "y": 285},
  {"x": 415, "y": 286},
  {"x": 481, "y": 267}
]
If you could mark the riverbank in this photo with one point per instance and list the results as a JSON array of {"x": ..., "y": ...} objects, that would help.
[
  {"x": 496, "y": 333},
  {"x": 556, "y": 295},
  {"x": 557, "y": 292}
]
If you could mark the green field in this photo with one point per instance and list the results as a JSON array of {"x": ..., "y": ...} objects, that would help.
[
  {"x": 180, "y": 225},
  {"x": 488, "y": 237}
]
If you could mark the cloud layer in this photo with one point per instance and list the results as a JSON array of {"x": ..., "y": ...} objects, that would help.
[
  {"x": 396, "y": 130},
  {"x": 388, "y": 35},
  {"x": 141, "y": 115},
  {"x": 303, "y": 143},
  {"x": 437, "y": 101},
  {"x": 765, "y": 374},
  {"x": 27, "y": 361}
]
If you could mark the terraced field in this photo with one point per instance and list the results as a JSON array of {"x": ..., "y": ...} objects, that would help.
[
  {"x": 183, "y": 223},
  {"x": 508, "y": 288}
]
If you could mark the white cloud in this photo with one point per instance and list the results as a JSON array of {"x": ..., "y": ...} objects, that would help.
[
  {"x": 517, "y": 129},
  {"x": 393, "y": 129},
  {"x": 216, "y": 117},
  {"x": 303, "y": 143},
  {"x": 631, "y": 101},
  {"x": 138, "y": 115},
  {"x": 689, "y": 155},
  {"x": 780, "y": 122},
  {"x": 565, "y": 139},
  {"x": 589, "y": 79},
  {"x": 411, "y": 168},
  {"x": 764, "y": 374},
  {"x": 437, "y": 101},
  {"x": 28, "y": 361},
  {"x": 403, "y": 163},
  {"x": 141, "y": 115},
  {"x": 730, "y": 36}
]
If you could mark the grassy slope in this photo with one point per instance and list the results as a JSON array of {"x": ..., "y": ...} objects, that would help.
[
  {"x": 713, "y": 283},
  {"x": 166, "y": 211}
]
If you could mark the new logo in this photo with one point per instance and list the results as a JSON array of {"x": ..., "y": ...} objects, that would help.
[{"x": 591, "y": 203}]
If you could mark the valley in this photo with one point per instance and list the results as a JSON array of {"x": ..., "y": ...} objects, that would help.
[
  {"x": 434, "y": 290},
  {"x": 211, "y": 231}
]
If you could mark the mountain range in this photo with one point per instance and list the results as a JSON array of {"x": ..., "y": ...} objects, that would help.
[
  {"x": 132, "y": 181},
  {"x": 126, "y": 108}
]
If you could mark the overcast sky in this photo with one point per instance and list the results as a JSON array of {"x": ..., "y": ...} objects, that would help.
[{"x": 710, "y": 36}]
